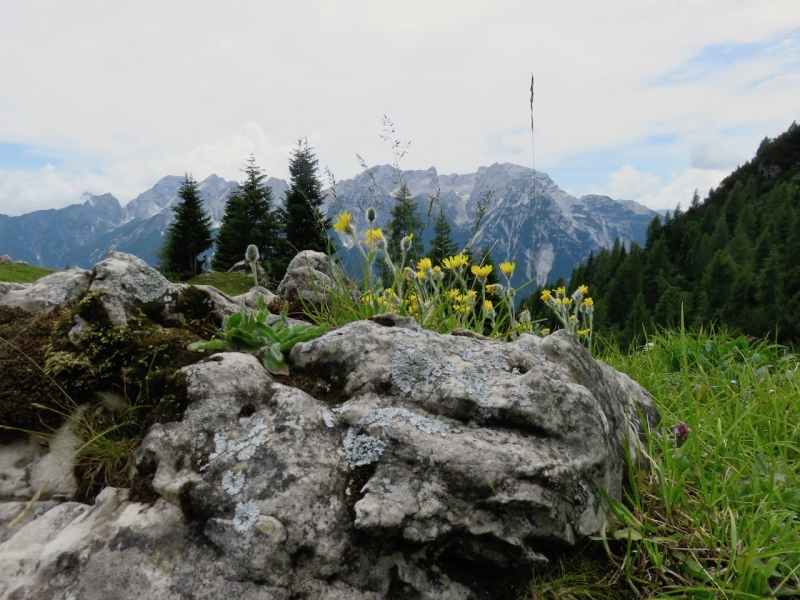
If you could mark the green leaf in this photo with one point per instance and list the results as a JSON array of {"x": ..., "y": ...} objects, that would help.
[{"x": 234, "y": 320}]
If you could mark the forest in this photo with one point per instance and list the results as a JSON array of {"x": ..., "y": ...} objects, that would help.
[{"x": 730, "y": 260}]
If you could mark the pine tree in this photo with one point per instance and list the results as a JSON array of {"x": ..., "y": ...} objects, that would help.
[
  {"x": 251, "y": 218},
  {"x": 442, "y": 244},
  {"x": 188, "y": 236},
  {"x": 404, "y": 220},
  {"x": 306, "y": 227}
]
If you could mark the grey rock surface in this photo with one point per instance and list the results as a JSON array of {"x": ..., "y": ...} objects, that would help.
[
  {"x": 56, "y": 289},
  {"x": 6, "y": 260},
  {"x": 407, "y": 460},
  {"x": 250, "y": 298},
  {"x": 309, "y": 278},
  {"x": 127, "y": 282}
]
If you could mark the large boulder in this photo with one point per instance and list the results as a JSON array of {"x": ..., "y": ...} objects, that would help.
[
  {"x": 6, "y": 260},
  {"x": 393, "y": 462},
  {"x": 56, "y": 289},
  {"x": 309, "y": 278},
  {"x": 125, "y": 283}
]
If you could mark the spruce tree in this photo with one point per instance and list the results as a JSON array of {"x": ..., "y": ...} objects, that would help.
[
  {"x": 404, "y": 220},
  {"x": 306, "y": 227},
  {"x": 251, "y": 218},
  {"x": 188, "y": 236},
  {"x": 442, "y": 244}
]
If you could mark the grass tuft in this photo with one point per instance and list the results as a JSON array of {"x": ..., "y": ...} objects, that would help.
[{"x": 22, "y": 273}]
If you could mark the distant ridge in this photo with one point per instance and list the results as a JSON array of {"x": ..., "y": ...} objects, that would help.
[{"x": 567, "y": 228}]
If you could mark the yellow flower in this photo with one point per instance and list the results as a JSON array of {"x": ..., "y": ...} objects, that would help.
[
  {"x": 545, "y": 330},
  {"x": 408, "y": 272},
  {"x": 493, "y": 288},
  {"x": 437, "y": 272},
  {"x": 562, "y": 291},
  {"x": 421, "y": 275},
  {"x": 342, "y": 223},
  {"x": 588, "y": 302},
  {"x": 472, "y": 294},
  {"x": 583, "y": 331},
  {"x": 546, "y": 296},
  {"x": 507, "y": 268},
  {"x": 481, "y": 272},
  {"x": 367, "y": 298},
  {"x": 567, "y": 301},
  {"x": 424, "y": 264},
  {"x": 488, "y": 306},
  {"x": 572, "y": 318},
  {"x": 455, "y": 262},
  {"x": 583, "y": 289},
  {"x": 453, "y": 294},
  {"x": 373, "y": 235}
]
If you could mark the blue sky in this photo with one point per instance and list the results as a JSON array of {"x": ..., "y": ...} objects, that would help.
[{"x": 638, "y": 99}]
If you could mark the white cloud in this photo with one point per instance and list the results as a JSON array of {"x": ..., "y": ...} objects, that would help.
[
  {"x": 125, "y": 93},
  {"x": 709, "y": 149},
  {"x": 645, "y": 188},
  {"x": 628, "y": 183}
]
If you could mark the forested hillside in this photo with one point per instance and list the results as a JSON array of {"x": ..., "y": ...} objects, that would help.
[{"x": 733, "y": 259}]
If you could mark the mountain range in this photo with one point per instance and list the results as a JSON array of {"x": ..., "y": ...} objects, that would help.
[{"x": 564, "y": 229}]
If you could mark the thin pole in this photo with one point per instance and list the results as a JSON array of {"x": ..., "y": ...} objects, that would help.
[{"x": 533, "y": 209}]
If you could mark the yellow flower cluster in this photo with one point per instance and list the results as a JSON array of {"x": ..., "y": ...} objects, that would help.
[
  {"x": 481, "y": 272},
  {"x": 455, "y": 262},
  {"x": 507, "y": 268},
  {"x": 372, "y": 236},
  {"x": 342, "y": 224}
]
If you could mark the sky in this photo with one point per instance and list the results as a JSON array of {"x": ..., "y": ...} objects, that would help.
[{"x": 642, "y": 100}]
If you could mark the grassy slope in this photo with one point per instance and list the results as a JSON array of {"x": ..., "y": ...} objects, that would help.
[
  {"x": 22, "y": 273},
  {"x": 717, "y": 514},
  {"x": 232, "y": 284}
]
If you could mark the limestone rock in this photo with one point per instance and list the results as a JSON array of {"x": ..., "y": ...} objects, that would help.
[
  {"x": 56, "y": 289},
  {"x": 406, "y": 459},
  {"x": 127, "y": 282},
  {"x": 223, "y": 305},
  {"x": 250, "y": 299},
  {"x": 16, "y": 458},
  {"x": 309, "y": 277},
  {"x": 6, "y": 260}
]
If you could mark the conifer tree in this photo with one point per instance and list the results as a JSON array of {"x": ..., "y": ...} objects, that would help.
[
  {"x": 404, "y": 220},
  {"x": 442, "y": 244},
  {"x": 251, "y": 218},
  {"x": 306, "y": 227},
  {"x": 189, "y": 235}
]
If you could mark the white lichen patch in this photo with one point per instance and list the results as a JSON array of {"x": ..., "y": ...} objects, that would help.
[
  {"x": 220, "y": 447},
  {"x": 476, "y": 384},
  {"x": 245, "y": 444},
  {"x": 245, "y": 516},
  {"x": 383, "y": 417},
  {"x": 327, "y": 418},
  {"x": 232, "y": 482},
  {"x": 523, "y": 392},
  {"x": 361, "y": 449},
  {"x": 414, "y": 362},
  {"x": 340, "y": 410}
]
